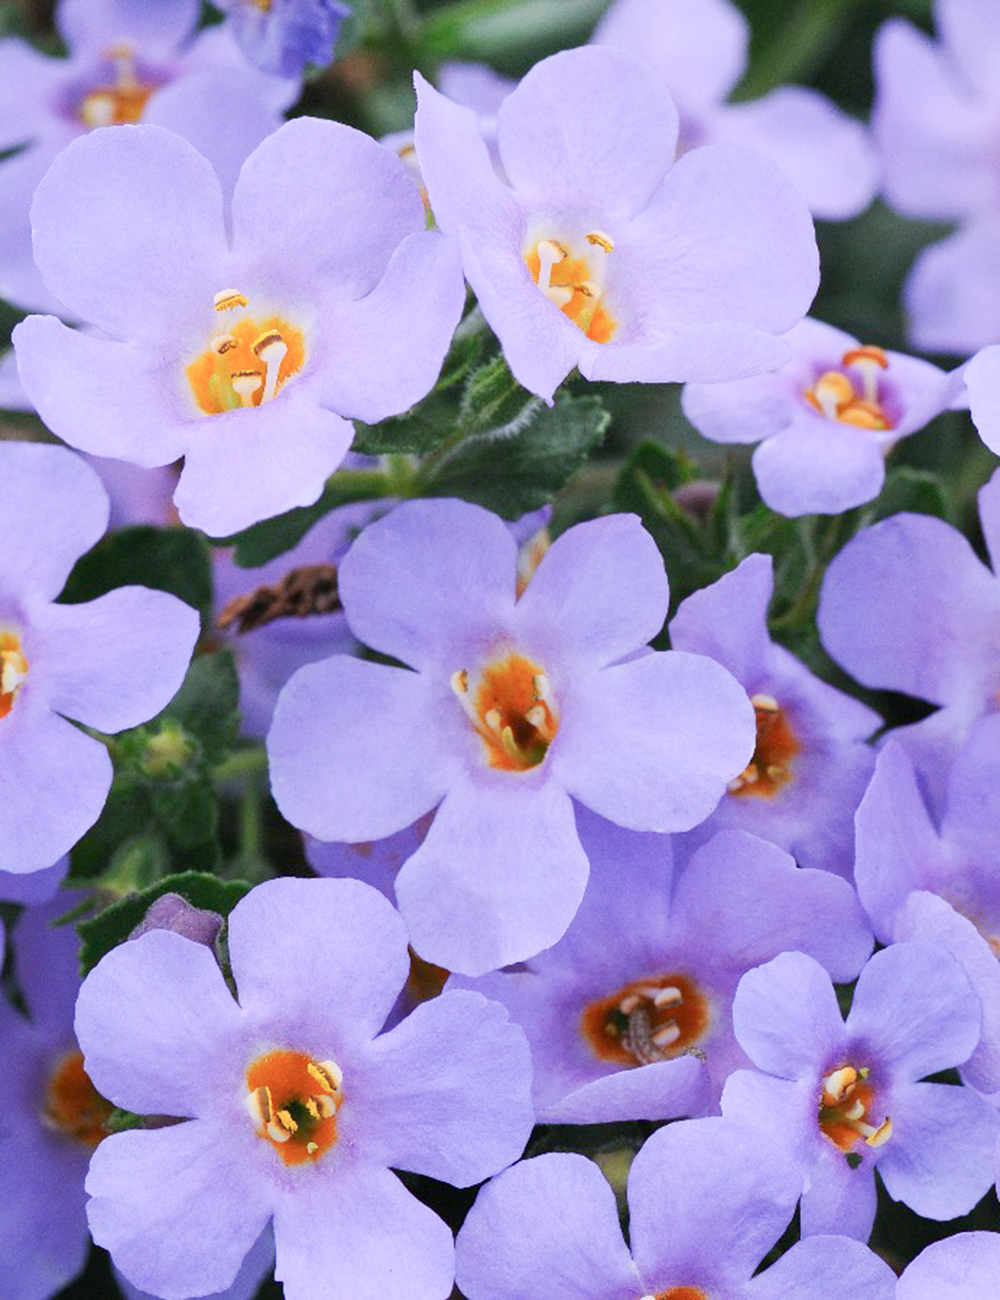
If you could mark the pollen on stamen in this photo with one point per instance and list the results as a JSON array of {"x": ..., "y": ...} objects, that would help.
[
  {"x": 292, "y": 1101},
  {"x": 511, "y": 707},
  {"x": 771, "y": 767},
  {"x": 572, "y": 278},
  {"x": 835, "y": 396},
  {"x": 228, "y": 300},
  {"x": 248, "y": 362},
  {"x": 13, "y": 670},
  {"x": 846, "y": 1101}
]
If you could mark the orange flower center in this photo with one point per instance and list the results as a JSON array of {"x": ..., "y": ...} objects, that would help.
[
  {"x": 771, "y": 765},
  {"x": 123, "y": 99},
  {"x": 648, "y": 1020},
  {"x": 512, "y": 708},
  {"x": 838, "y": 397},
  {"x": 72, "y": 1105},
  {"x": 845, "y": 1107},
  {"x": 248, "y": 361},
  {"x": 13, "y": 670},
  {"x": 679, "y": 1293},
  {"x": 293, "y": 1102},
  {"x": 573, "y": 279}
]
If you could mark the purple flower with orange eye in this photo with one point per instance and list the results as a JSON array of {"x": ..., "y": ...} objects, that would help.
[
  {"x": 825, "y": 421},
  {"x": 129, "y": 61},
  {"x": 516, "y": 707},
  {"x": 248, "y": 355},
  {"x": 845, "y": 1098},
  {"x": 603, "y": 253},
  {"x": 109, "y": 664},
  {"x": 293, "y": 1106}
]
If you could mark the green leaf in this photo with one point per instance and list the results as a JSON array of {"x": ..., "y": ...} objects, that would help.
[
  {"x": 493, "y": 400},
  {"x": 414, "y": 433},
  {"x": 167, "y": 559},
  {"x": 207, "y": 705},
  {"x": 916, "y": 490},
  {"x": 522, "y": 466},
  {"x": 113, "y": 926}
]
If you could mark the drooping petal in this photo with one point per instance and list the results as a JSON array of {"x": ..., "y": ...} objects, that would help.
[
  {"x": 447, "y": 1092},
  {"x": 176, "y": 1207},
  {"x": 52, "y": 509},
  {"x": 498, "y": 878},
  {"x": 660, "y": 1090},
  {"x": 116, "y": 661},
  {"x": 430, "y": 582},
  {"x": 355, "y": 749},
  {"x": 162, "y": 1053},
  {"x": 650, "y": 744},
  {"x": 386, "y": 349},
  {"x": 56, "y": 780},
  {"x": 589, "y": 127},
  {"x": 548, "y": 1226},
  {"x": 246, "y": 465},
  {"x": 377, "y": 1239},
  {"x": 163, "y": 202},
  {"x": 335, "y": 945}
]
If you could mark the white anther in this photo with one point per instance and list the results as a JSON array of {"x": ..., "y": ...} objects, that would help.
[
  {"x": 766, "y": 703},
  {"x": 667, "y": 1035},
  {"x": 98, "y": 109},
  {"x": 542, "y": 688},
  {"x": 272, "y": 353},
  {"x": 668, "y": 997},
  {"x": 277, "y": 1131},
  {"x": 629, "y": 1003},
  {"x": 549, "y": 253},
  {"x": 324, "y": 1104},
  {"x": 222, "y": 343},
  {"x": 881, "y": 1135},
  {"x": 334, "y": 1074},
  {"x": 13, "y": 673},
  {"x": 535, "y": 716},
  {"x": 245, "y": 384},
  {"x": 601, "y": 240},
  {"x": 258, "y": 1104},
  {"x": 494, "y": 720}
]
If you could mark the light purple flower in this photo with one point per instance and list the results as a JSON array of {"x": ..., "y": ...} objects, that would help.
[
  {"x": 919, "y": 880},
  {"x": 957, "y": 1268},
  {"x": 843, "y": 1098},
  {"x": 516, "y": 705},
  {"x": 629, "y": 1014},
  {"x": 811, "y": 765},
  {"x": 603, "y": 253},
  {"x": 700, "y": 48},
  {"x": 908, "y": 606},
  {"x": 295, "y": 1108},
  {"x": 129, "y": 61},
  {"x": 707, "y": 1199},
  {"x": 331, "y": 300},
  {"x": 283, "y": 36},
  {"x": 982, "y": 383},
  {"x": 825, "y": 421},
  {"x": 109, "y": 664},
  {"x": 936, "y": 123}
]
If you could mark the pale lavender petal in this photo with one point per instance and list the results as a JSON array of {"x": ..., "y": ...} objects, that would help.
[
  {"x": 345, "y": 952},
  {"x": 939, "y": 1160},
  {"x": 355, "y": 749},
  {"x": 819, "y": 468},
  {"x": 158, "y": 1054},
  {"x": 473, "y": 895},
  {"x": 982, "y": 379},
  {"x": 56, "y": 780},
  {"x": 660, "y": 1090},
  {"x": 952, "y": 293},
  {"x": 704, "y": 353},
  {"x": 953, "y": 1269},
  {"x": 839, "y": 1199},
  {"x": 599, "y": 593},
  {"x": 447, "y": 1092},
  {"x": 298, "y": 198},
  {"x": 116, "y": 661},
  {"x": 989, "y": 518},
  {"x": 381, "y": 1240},
  {"x": 650, "y": 744},
  {"x": 589, "y": 117},
  {"x": 916, "y": 1035},
  {"x": 971, "y": 39},
  {"x": 386, "y": 349},
  {"x": 728, "y": 619},
  {"x": 787, "y": 1110},
  {"x": 157, "y": 28},
  {"x": 714, "y": 1180},
  {"x": 699, "y": 47},
  {"x": 825, "y": 153},
  {"x": 549, "y": 1222},
  {"x": 786, "y": 1017},
  {"x": 20, "y": 279},
  {"x": 111, "y": 399},
  {"x": 827, "y": 1268},
  {"x": 153, "y": 279},
  {"x": 28, "y": 83},
  {"x": 53, "y": 509},
  {"x": 176, "y": 1207},
  {"x": 246, "y": 465},
  {"x": 429, "y": 582}
]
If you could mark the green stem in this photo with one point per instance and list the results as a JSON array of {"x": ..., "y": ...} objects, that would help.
[
  {"x": 797, "y": 48},
  {"x": 249, "y": 762}
]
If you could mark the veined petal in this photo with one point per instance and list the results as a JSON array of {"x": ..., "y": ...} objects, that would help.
[
  {"x": 355, "y": 749},
  {"x": 162, "y": 202},
  {"x": 498, "y": 878},
  {"x": 589, "y": 125},
  {"x": 651, "y": 743}
]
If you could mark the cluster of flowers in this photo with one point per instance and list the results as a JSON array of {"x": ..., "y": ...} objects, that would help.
[{"x": 560, "y": 876}]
